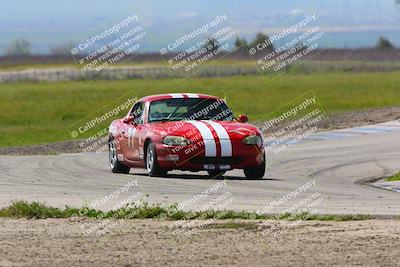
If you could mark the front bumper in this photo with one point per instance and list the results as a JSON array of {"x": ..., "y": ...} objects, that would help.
[{"x": 191, "y": 159}]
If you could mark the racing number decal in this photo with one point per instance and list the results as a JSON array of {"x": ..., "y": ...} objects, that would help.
[{"x": 131, "y": 135}]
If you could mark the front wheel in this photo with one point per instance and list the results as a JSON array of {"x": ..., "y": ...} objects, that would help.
[
  {"x": 115, "y": 164},
  {"x": 256, "y": 172},
  {"x": 151, "y": 162}
]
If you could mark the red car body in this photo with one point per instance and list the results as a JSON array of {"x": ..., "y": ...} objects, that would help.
[{"x": 215, "y": 145}]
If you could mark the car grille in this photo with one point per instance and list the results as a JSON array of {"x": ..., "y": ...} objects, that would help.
[{"x": 215, "y": 160}]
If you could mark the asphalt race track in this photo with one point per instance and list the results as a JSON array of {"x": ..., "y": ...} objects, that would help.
[{"x": 340, "y": 162}]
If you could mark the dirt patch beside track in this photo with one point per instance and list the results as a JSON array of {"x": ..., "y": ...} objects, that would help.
[
  {"x": 44, "y": 149},
  {"x": 364, "y": 117},
  {"x": 152, "y": 243}
]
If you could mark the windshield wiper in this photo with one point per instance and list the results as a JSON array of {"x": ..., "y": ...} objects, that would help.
[
  {"x": 166, "y": 119},
  {"x": 205, "y": 118}
]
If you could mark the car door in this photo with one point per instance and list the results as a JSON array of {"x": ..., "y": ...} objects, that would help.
[{"x": 132, "y": 152}]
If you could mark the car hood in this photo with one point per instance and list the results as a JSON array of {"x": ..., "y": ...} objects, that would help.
[{"x": 235, "y": 130}]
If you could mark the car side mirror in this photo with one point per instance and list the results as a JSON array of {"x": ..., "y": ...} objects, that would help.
[
  {"x": 243, "y": 118},
  {"x": 128, "y": 120}
]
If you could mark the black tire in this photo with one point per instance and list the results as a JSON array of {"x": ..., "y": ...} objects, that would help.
[
  {"x": 255, "y": 172},
  {"x": 151, "y": 162},
  {"x": 115, "y": 164},
  {"x": 216, "y": 174}
]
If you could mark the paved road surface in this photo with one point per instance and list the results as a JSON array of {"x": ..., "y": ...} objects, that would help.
[{"x": 338, "y": 161}]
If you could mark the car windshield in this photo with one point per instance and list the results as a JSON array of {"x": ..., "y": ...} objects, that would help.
[{"x": 189, "y": 109}]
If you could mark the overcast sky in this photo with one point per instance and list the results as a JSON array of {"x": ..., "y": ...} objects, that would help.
[{"x": 47, "y": 22}]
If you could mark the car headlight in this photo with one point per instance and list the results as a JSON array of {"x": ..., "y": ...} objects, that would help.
[
  {"x": 175, "y": 141},
  {"x": 252, "y": 140}
]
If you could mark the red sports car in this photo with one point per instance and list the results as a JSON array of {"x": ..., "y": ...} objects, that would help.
[{"x": 191, "y": 132}]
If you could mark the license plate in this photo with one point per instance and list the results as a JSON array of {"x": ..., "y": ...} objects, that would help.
[
  {"x": 224, "y": 167},
  {"x": 216, "y": 167},
  {"x": 209, "y": 166}
]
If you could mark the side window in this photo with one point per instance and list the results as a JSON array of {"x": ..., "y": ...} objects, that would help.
[{"x": 138, "y": 113}]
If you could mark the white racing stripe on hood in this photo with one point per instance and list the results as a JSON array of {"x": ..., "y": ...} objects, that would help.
[
  {"x": 192, "y": 95},
  {"x": 224, "y": 139},
  {"x": 176, "y": 95},
  {"x": 208, "y": 138}
]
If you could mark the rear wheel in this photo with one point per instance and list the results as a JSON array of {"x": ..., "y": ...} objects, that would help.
[
  {"x": 151, "y": 162},
  {"x": 115, "y": 164},
  {"x": 256, "y": 172},
  {"x": 215, "y": 174}
]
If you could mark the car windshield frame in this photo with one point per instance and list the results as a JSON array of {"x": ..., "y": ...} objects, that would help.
[{"x": 196, "y": 109}]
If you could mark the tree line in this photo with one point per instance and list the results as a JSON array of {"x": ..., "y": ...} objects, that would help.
[{"x": 22, "y": 47}]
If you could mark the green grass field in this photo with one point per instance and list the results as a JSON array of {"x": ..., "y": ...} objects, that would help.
[
  {"x": 393, "y": 178},
  {"x": 19, "y": 67},
  {"x": 33, "y": 113},
  {"x": 306, "y": 67}
]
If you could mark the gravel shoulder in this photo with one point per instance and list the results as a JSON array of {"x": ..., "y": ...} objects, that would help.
[{"x": 60, "y": 242}]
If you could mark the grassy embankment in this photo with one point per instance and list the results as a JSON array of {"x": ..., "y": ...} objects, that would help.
[
  {"x": 22, "y": 209},
  {"x": 393, "y": 178}
]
